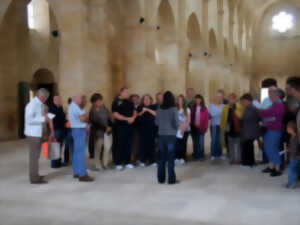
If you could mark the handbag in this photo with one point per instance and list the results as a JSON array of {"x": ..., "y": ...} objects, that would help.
[{"x": 51, "y": 150}]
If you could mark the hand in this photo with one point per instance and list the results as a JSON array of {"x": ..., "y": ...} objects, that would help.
[
  {"x": 47, "y": 119},
  {"x": 130, "y": 120}
]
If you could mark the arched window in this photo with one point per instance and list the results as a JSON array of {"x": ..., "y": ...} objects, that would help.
[{"x": 30, "y": 16}]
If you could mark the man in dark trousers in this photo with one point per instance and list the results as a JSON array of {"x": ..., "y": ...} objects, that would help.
[
  {"x": 124, "y": 115},
  {"x": 59, "y": 122}
]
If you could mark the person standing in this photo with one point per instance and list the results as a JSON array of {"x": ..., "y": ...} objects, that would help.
[
  {"x": 231, "y": 127},
  {"x": 59, "y": 122},
  {"x": 190, "y": 97},
  {"x": 78, "y": 119},
  {"x": 168, "y": 125},
  {"x": 273, "y": 118},
  {"x": 135, "y": 154},
  {"x": 294, "y": 165},
  {"x": 184, "y": 116},
  {"x": 100, "y": 131},
  {"x": 215, "y": 111},
  {"x": 124, "y": 115},
  {"x": 69, "y": 139},
  {"x": 34, "y": 120},
  {"x": 147, "y": 131},
  {"x": 199, "y": 125},
  {"x": 250, "y": 130}
]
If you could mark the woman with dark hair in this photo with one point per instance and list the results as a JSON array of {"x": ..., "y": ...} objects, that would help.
[
  {"x": 199, "y": 124},
  {"x": 168, "y": 124},
  {"x": 250, "y": 130},
  {"x": 184, "y": 116},
  {"x": 147, "y": 131},
  {"x": 100, "y": 131}
]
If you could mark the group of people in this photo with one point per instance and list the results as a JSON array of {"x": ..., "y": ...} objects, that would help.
[{"x": 141, "y": 132}]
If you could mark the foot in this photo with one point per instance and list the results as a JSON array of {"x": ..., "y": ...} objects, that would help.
[
  {"x": 142, "y": 164},
  {"x": 267, "y": 170},
  {"x": 182, "y": 161},
  {"x": 153, "y": 165},
  {"x": 290, "y": 186},
  {"x": 212, "y": 158},
  {"x": 275, "y": 173},
  {"x": 223, "y": 157},
  {"x": 64, "y": 165},
  {"x": 86, "y": 178},
  {"x": 39, "y": 182},
  {"x": 119, "y": 168},
  {"x": 177, "y": 161},
  {"x": 129, "y": 166},
  {"x": 75, "y": 176}
]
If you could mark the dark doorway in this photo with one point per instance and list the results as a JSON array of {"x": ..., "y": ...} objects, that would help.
[{"x": 23, "y": 99}]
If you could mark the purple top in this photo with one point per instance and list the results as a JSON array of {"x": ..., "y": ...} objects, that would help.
[{"x": 274, "y": 116}]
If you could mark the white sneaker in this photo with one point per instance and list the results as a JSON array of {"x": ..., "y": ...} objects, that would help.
[
  {"x": 153, "y": 165},
  {"x": 142, "y": 164},
  {"x": 182, "y": 161},
  {"x": 177, "y": 161},
  {"x": 212, "y": 158},
  {"x": 119, "y": 168},
  {"x": 129, "y": 166},
  {"x": 223, "y": 157}
]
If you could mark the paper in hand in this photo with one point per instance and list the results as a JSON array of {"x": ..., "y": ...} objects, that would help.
[{"x": 51, "y": 116}]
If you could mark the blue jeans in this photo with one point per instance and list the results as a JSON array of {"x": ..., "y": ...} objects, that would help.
[
  {"x": 167, "y": 154},
  {"x": 198, "y": 144},
  {"x": 293, "y": 171},
  {"x": 272, "y": 140},
  {"x": 216, "y": 140},
  {"x": 79, "y": 165},
  {"x": 60, "y": 136}
]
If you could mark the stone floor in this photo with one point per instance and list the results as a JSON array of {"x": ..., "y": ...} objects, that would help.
[{"x": 209, "y": 194}]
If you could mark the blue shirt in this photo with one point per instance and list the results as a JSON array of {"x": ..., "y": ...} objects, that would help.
[
  {"x": 74, "y": 114},
  {"x": 215, "y": 114}
]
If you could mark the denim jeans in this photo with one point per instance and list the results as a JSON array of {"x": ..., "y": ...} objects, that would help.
[
  {"x": 167, "y": 153},
  {"x": 60, "y": 136},
  {"x": 198, "y": 145},
  {"x": 272, "y": 141},
  {"x": 293, "y": 171},
  {"x": 79, "y": 164},
  {"x": 216, "y": 139}
]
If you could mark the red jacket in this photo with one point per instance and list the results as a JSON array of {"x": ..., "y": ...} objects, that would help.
[{"x": 204, "y": 119}]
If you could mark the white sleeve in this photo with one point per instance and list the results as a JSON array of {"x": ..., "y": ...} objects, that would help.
[
  {"x": 188, "y": 111},
  {"x": 32, "y": 118}
]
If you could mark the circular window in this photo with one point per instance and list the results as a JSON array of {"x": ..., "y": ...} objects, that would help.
[{"x": 282, "y": 22}]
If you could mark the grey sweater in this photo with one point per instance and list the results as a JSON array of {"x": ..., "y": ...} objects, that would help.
[{"x": 167, "y": 121}]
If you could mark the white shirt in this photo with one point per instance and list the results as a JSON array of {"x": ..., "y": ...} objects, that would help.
[
  {"x": 183, "y": 120},
  {"x": 74, "y": 113},
  {"x": 34, "y": 118}
]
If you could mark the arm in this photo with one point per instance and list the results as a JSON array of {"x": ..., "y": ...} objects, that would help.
[
  {"x": 118, "y": 116},
  {"x": 273, "y": 111},
  {"x": 152, "y": 112},
  {"x": 176, "y": 122},
  {"x": 84, "y": 117}
]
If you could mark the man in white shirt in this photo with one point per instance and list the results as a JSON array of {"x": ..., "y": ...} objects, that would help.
[
  {"x": 78, "y": 119},
  {"x": 35, "y": 118}
]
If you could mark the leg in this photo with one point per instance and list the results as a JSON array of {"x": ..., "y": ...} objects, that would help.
[
  {"x": 202, "y": 145},
  {"x": 161, "y": 170},
  {"x": 231, "y": 149},
  {"x": 184, "y": 145},
  {"x": 99, "y": 142},
  {"x": 170, "y": 154},
  {"x": 59, "y": 136},
  {"x": 238, "y": 150},
  {"x": 35, "y": 145},
  {"x": 143, "y": 146},
  {"x": 68, "y": 146},
  {"x": 218, "y": 141},
  {"x": 178, "y": 148},
  {"x": 81, "y": 153},
  {"x": 195, "y": 140},
  {"x": 151, "y": 149},
  {"x": 292, "y": 172},
  {"x": 213, "y": 141},
  {"x": 118, "y": 146},
  {"x": 107, "y": 150},
  {"x": 127, "y": 137}
]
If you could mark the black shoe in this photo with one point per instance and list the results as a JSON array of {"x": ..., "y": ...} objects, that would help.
[
  {"x": 39, "y": 182},
  {"x": 268, "y": 170},
  {"x": 75, "y": 176},
  {"x": 275, "y": 173}
]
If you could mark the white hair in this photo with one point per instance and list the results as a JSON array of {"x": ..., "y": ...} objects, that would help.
[{"x": 43, "y": 93}]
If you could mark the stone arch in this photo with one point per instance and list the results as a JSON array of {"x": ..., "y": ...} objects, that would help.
[
  {"x": 42, "y": 76},
  {"x": 193, "y": 31},
  {"x": 166, "y": 18},
  {"x": 213, "y": 45}
]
